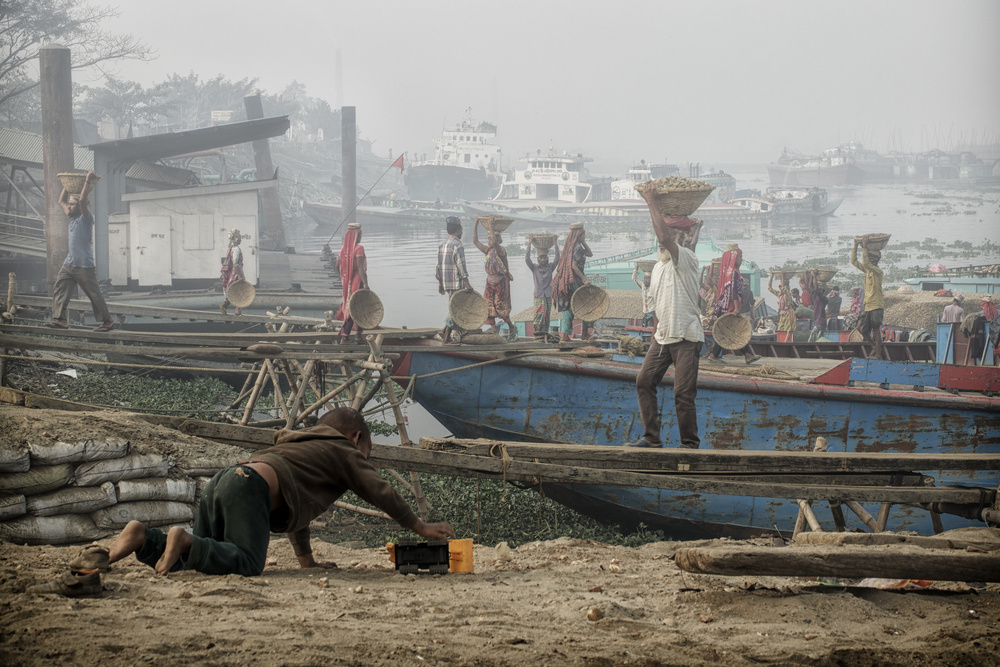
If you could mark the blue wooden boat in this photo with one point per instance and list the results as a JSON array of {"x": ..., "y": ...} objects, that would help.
[{"x": 855, "y": 404}]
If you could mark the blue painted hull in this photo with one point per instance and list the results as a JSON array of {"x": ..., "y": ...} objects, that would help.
[{"x": 593, "y": 402}]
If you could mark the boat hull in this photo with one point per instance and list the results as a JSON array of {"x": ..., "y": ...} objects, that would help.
[
  {"x": 809, "y": 177},
  {"x": 594, "y": 402},
  {"x": 449, "y": 183}
]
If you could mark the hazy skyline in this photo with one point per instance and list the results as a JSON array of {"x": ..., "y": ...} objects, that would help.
[{"x": 711, "y": 82}]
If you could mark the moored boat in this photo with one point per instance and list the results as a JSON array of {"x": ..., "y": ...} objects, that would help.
[
  {"x": 810, "y": 202},
  {"x": 572, "y": 399},
  {"x": 466, "y": 165},
  {"x": 794, "y": 170}
]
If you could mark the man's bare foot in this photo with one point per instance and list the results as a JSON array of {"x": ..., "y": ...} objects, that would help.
[
  {"x": 127, "y": 542},
  {"x": 178, "y": 544}
]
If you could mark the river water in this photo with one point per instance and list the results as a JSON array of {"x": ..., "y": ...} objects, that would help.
[
  {"x": 401, "y": 258},
  {"x": 929, "y": 223}
]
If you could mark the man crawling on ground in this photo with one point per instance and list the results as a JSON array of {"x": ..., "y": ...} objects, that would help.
[{"x": 281, "y": 489}]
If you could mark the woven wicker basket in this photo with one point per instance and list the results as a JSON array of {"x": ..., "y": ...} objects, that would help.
[
  {"x": 678, "y": 196},
  {"x": 241, "y": 294},
  {"x": 494, "y": 223},
  {"x": 468, "y": 309},
  {"x": 855, "y": 336},
  {"x": 73, "y": 181},
  {"x": 366, "y": 309},
  {"x": 590, "y": 303},
  {"x": 822, "y": 275},
  {"x": 875, "y": 241},
  {"x": 732, "y": 331},
  {"x": 646, "y": 265},
  {"x": 543, "y": 241}
]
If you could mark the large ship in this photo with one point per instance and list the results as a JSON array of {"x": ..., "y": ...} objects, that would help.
[
  {"x": 794, "y": 170},
  {"x": 466, "y": 165}
]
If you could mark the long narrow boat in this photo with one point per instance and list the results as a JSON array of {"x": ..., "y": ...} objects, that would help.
[{"x": 857, "y": 405}]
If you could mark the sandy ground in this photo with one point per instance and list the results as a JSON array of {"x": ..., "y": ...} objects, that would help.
[{"x": 529, "y": 610}]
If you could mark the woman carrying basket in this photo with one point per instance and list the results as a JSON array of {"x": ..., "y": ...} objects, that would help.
[
  {"x": 353, "y": 269},
  {"x": 232, "y": 269},
  {"x": 786, "y": 308},
  {"x": 498, "y": 277},
  {"x": 570, "y": 277},
  {"x": 729, "y": 297}
]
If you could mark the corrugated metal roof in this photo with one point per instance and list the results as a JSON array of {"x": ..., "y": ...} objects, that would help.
[
  {"x": 25, "y": 149},
  {"x": 158, "y": 173}
]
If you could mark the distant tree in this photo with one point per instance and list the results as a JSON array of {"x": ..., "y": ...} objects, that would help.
[
  {"x": 27, "y": 25},
  {"x": 190, "y": 102},
  {"x": 124, "y": 102}
]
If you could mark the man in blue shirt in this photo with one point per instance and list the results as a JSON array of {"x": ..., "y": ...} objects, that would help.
[{"x": 79, "y": 267}]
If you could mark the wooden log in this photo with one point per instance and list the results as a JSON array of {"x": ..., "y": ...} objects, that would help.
[
  {"x": 427, "y": 461},
  {"x": 684, "y": 460},
  {"x": 847, "y": 561},
  {"x": 883, "y": 539}
]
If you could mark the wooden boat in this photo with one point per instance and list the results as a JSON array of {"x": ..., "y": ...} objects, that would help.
[{"x": 857, "y": 405}]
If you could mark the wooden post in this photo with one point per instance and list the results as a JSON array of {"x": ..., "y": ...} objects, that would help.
[
  {"x": 269, "y": 202},
  {"x": 54, "y": 66},
  {"x": 807, "y": 511},
  {"x": 348, "y": 164}
]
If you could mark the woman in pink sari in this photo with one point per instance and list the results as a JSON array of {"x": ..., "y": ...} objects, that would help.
[
  {"x": 353, "y": 269},
  {"x": 232, "y": 268}
]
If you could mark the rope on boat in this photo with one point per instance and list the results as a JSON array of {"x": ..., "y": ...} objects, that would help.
[
  {"x": 764, "y": 370},
  {"x": 506, "y": 458}
]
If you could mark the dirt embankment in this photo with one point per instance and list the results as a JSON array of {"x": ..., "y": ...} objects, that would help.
[{"x": 529, "y": 610}]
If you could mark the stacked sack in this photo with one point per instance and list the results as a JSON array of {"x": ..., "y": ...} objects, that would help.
[{"x": 54, "y": 492}]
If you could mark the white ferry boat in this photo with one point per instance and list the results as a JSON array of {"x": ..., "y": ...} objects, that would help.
[
  {"x": 466, "y": 165},
  {"x": 549, "y": 177},
  {"x": 809, "y": 202}
]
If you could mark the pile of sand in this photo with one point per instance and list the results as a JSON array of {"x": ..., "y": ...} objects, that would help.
[{"x": 921, "y": 310}]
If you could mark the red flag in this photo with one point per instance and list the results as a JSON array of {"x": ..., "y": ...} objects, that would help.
[{"x": 398, "y": 163}]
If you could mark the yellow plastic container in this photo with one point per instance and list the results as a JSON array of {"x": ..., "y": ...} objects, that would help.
[{"x": 460, "y": 556}]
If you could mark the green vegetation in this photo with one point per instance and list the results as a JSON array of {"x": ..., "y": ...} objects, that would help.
[
  {"x": 486, "y": 510},
  {"x": 199, "y": 398}
]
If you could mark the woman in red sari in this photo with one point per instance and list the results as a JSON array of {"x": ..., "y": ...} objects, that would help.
[
  {"x": 353, "y": 269},
  {"x": 498, "y": 277}
]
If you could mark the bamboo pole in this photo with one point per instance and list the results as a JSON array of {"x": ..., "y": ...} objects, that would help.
[
  {"x": 299, "y": 395},
  {"x": 278, "y": 398},
  {"x": 244, "y": 392},
  {"x": 254, "y": 395},
  {"x": 883, "y": 517},
  {"x": 11, "y": 285},
  {"x": 810, "y": 516},
  {"x": 361, "y": 510},
  {"x": 330, "y": 396},
  {"x": 838, "y": 516},
  {"x": 375, "y": 343},
  {"x": 867, "y": 518}
]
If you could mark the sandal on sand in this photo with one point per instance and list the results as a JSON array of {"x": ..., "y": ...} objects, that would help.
[
  {"x": 71, "y": 585},
  {"x": 57, "y": 325},
  {"x": 92, "y": 557}
]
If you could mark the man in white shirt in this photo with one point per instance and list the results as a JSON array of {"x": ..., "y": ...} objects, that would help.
[{"x": 677, "y": 336}]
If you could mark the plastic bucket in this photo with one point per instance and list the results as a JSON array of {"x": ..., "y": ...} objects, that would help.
[{"x": 460, "y": 556}]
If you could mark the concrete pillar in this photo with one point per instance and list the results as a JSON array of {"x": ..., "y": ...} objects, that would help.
[
  {"x": 57, "y": 149},
  {"x": 269, "y": 200},
  {"x": 349, "y": 164}
]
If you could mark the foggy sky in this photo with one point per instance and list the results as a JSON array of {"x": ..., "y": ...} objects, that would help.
[{"x": 721, "y": 81}]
